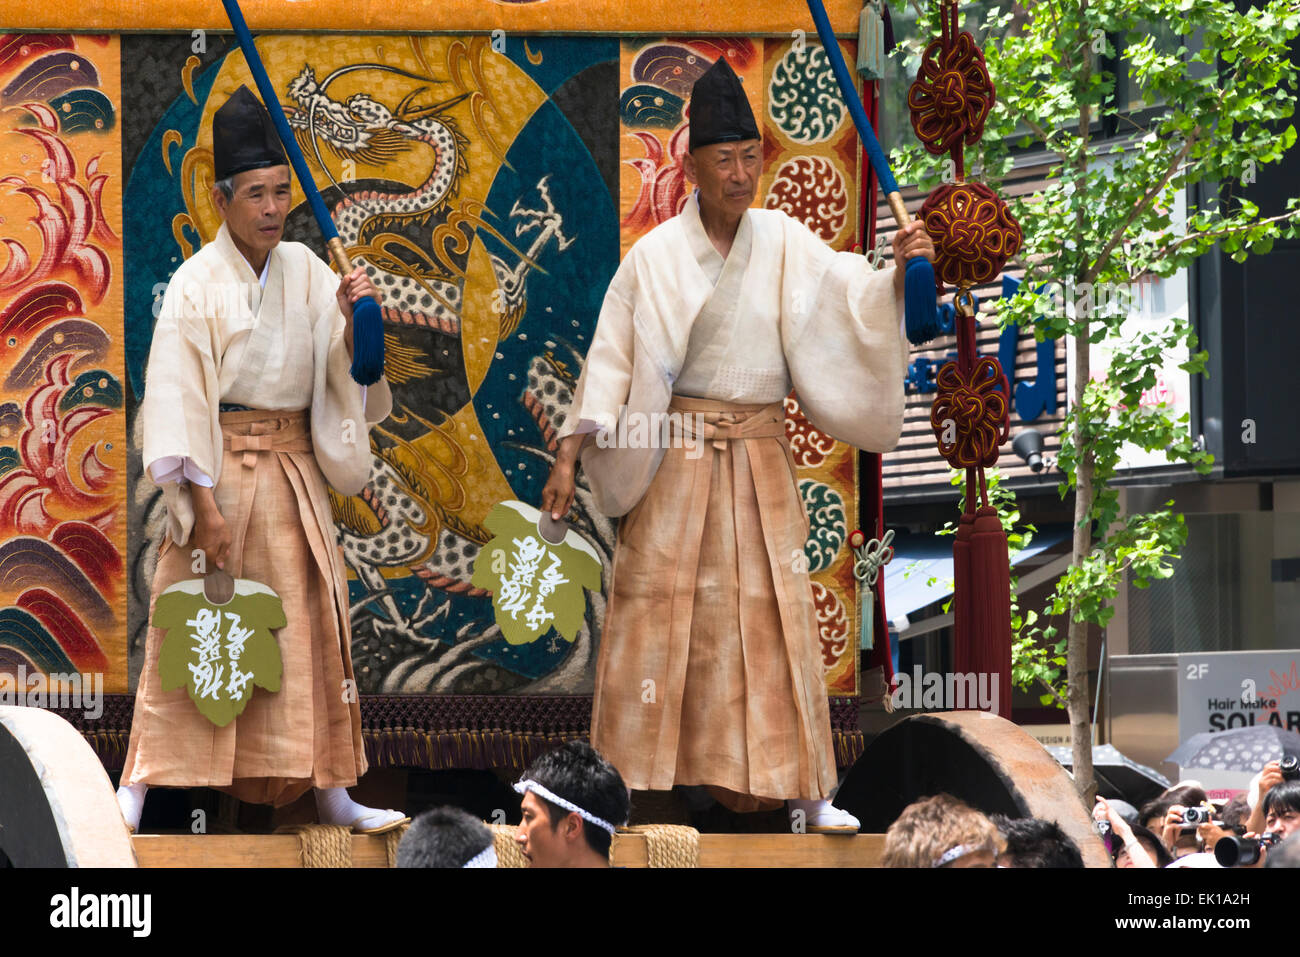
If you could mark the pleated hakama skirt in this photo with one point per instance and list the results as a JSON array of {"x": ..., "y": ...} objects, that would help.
[
  {"x": 709, "y": 670},
  {"x": 308, "y": 734}
]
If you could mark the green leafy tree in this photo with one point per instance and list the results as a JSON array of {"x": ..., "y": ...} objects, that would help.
[{"x": 1224, "y": 88}]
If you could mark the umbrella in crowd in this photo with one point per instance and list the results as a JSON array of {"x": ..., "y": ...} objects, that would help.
[
  {"x": 1117, "y": 775},
  {"x": 1237, "y": 749}
]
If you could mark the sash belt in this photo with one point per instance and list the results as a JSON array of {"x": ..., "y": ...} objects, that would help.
[
  {"x": 720, "y": 427},
  {"x": 266, "y": 432}
]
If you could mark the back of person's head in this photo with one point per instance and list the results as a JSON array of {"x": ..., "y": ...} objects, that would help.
[
  {"x": 1155, "y": 850},
  {"x": 580, "y": 775},
  {"x": 446, "y": 837},
  {"x": 1235, "y": 814},
  {"x": 1033, "y": 842},
  {"x": 1286, "y": 854},
  {"x": 935, "y": 831},
  {"x": 1282, "y": 798}
]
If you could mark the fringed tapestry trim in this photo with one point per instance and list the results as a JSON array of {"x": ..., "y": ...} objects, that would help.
[{"x": 442, "y": 732}]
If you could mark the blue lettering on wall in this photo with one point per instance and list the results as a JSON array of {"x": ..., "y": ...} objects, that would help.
[{"x": 1034, "y": 398}]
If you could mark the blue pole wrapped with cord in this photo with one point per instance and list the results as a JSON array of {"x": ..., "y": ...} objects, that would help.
[
  {"x": 920, "y": 307},
  {"x": 367, "y": 319}
]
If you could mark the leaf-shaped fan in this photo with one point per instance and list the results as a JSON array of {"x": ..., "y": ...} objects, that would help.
[
  {"x": 536, "y": 583},
  {"x": 219, "y": 650}
]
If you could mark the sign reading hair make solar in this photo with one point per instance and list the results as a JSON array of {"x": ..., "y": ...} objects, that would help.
[{"x": 1223, "y": 690}]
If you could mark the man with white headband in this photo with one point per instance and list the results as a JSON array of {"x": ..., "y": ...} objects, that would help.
[{"x": 573, "y": 801}]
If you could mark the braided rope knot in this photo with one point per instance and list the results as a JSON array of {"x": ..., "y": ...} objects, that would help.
[
  {"x": 973, "y": 231},
  {"x": 976, "y": 410},
  {"x": 952, "y": 94}
]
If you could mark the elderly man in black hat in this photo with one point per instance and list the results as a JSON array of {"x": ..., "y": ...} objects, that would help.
[
  {"x": 249, "y": 411},
  {"x": 710, "y": 670}
]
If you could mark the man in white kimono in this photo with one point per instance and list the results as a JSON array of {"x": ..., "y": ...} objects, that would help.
[
  {"x": 249, "y": 409},
  {"x": 709, "y": 671}
]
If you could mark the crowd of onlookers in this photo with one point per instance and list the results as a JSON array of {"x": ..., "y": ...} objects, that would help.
[
  {"x": 573, "y": 800},
  {"x": 1179, "y": 828}
]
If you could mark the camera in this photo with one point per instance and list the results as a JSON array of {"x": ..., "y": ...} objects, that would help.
[
  {"x": 1242, "y": 851},
  {"x": 1197, "y": 815},
  {"x": 1290, "y": 768}
]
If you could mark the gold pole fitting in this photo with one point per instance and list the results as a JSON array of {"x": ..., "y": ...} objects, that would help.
[
  {"x": 895, "y": 201},
  {"x": 340, "y": 256}
]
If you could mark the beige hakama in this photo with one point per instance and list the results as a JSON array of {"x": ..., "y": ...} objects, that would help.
[
  {"x": 709, "y": 669},
  {"x": 704, "y": 676},
  {"x": 308, "y": 734}
]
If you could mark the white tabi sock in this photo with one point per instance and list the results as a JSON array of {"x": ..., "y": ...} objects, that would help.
[
  {"x": 820, "y": 811},
  {"x": 335, "y": 807},
  {"x": 131, "y": 801}
]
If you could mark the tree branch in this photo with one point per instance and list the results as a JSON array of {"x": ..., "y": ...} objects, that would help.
[
  {"x": 1216, "y": 236},
  {"x": 1141, "y": 207},
  {"x": 1059, "y": 700}
]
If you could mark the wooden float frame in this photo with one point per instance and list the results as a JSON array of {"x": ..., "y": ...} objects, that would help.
[{"x": 629, "y": 850}]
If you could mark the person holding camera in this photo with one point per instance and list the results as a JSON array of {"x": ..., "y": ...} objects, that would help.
[
  {"x": 1185, "y": 829},
  {"x": 1286, "y": 769},
  {"x": 1280, "y": 812},
  {"x": 1131, "y": 846}
]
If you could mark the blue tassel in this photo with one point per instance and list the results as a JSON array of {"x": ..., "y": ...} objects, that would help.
[
  {"x": 920, "y": 308},
  {"x": 367, "y": 341}
]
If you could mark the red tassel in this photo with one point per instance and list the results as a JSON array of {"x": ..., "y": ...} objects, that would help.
[
  {"x": 961, "y": 596},
  {"x": 989, "y": 630}
]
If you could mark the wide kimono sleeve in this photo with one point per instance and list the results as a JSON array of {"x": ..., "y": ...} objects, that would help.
[
  {"x": 181, "y": 395},
  {"x": 341, "y": 410},
  {"x": 606, "y": 380},
  {"x": 843, "y": 342},
  {"x": 634, "y": 358}
]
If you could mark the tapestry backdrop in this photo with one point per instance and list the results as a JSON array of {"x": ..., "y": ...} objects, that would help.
[
  {"x": 63, "y": 517},
  {"x": 490, "y": 185}
]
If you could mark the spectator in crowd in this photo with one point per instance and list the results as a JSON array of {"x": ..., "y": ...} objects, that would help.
[
  {"x": 1032, "y": 842},
  {"x": 573, "y": 801},
  {"x": 1131, "y": 845},
  {"x": 1229, "y": 821},
  {"x": 1164, "y": 816},
  {"x": 1286, "y": 854},
  {"x": 1265, "y": 782},
  {"x": 446, "y": 837},
  {"x": 1281, "y": 807},
  {"x": 1145, "y": 850},
  {"x": 1235, "y": 814},
  {"x": 941, "y": 831},
  {"x": 1279, "y": 810},
  {"x": 1155, "y": 813}
]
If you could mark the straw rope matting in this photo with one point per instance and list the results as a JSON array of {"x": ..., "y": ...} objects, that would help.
[
  {"x": 669, "y": 845},
  {"x": 509, "y": 853},
  {"x": 391, "y": 840},
  {"x": 322, "y": 845}
]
